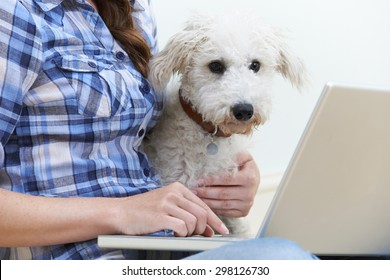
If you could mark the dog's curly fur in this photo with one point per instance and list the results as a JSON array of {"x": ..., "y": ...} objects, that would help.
[{"x": 177, "y": 145}]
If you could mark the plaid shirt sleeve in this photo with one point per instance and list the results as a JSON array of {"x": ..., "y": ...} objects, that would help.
[{"x": 20, "y": 61}]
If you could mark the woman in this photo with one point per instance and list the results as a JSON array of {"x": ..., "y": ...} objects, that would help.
[{"x": 74, "y": 108}]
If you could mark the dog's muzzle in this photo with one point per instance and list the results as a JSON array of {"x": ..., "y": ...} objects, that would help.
[{"x": 242, "y": 112}]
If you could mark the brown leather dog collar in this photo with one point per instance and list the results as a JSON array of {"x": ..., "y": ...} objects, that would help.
[{"x": 196, "y": 117}]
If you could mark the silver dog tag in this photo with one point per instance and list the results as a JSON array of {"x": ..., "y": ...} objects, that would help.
[{"x": 212, "y": 149}]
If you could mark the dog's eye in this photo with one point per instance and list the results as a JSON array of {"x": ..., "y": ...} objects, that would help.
[
  {"x": 217, "y": 67},
  {"x": 255, "y": 66}
]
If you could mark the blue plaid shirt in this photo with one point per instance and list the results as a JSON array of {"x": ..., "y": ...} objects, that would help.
[{"x": 73, "y": 110}]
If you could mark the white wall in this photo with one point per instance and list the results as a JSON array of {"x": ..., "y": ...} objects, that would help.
[{"x": 340, "y": 40}]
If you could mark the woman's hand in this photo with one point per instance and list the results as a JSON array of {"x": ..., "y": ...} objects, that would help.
[
  {"x": 171, "y": 207},
  {"x": 231, "y": 195}
]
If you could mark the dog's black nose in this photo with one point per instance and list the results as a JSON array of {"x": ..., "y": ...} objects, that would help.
[{"x": 243, "y": 111}]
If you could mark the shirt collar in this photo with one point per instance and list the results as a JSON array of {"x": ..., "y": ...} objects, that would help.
[{"x": 47, "y": 5}]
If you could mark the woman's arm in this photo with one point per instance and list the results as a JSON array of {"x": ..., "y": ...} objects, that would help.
[
  {"x": 33, "y": 221},
  {"x": 37, "y": 221}
]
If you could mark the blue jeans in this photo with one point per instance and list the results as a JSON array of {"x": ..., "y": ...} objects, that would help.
[{"x": 256, "y": 249}]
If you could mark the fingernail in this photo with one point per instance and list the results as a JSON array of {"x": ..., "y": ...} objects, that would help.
[{"x": 224, "y": 229}]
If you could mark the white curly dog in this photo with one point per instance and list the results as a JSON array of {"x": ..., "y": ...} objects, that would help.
[{"x": 217, "y": 75}]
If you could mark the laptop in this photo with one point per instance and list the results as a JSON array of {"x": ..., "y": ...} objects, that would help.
[{"x": 334, "y": 198}]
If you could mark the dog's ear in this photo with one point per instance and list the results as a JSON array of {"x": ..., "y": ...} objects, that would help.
[
  {"x": 176, "y": 55},
  {"x": 292, "y": 68},
  {"x": 288, "y": 64}
]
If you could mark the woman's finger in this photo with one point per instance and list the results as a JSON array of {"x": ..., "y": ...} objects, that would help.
[{"x": 211, "y": 218}]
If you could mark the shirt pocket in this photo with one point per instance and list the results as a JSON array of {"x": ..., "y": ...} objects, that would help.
[{"x": 97, "y": 85}]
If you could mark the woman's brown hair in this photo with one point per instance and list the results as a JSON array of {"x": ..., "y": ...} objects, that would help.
[{"x": 117, "y": 16}]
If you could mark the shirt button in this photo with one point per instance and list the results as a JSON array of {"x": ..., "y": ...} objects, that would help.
[
  {"x": 120, "y": 55},
  {"x": 144, "y": 88},
  {"x": 92, "y": 64},
  {"x": 146, "y": 172},
  {"x": 141, "y": 132}
]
